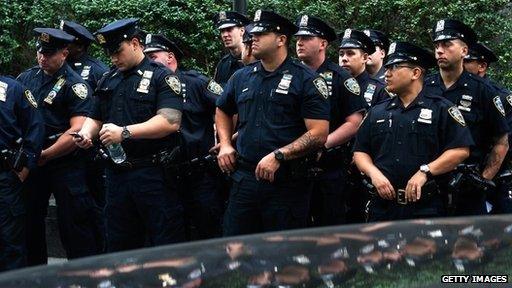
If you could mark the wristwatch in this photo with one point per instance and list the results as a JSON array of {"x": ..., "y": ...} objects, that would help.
[
  {"x": 425, "y": 169},
  {"x": 279, "y": 155},
  {"x": 126, "y": 133}
]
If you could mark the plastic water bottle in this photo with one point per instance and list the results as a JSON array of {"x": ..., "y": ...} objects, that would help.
[{"x": 116, "y": 152}]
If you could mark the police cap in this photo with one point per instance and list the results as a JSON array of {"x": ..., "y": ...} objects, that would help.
[
  {"x": 313, "y": 26},
  {"x": 378, "y": 37},
  {"x": 111, "y": 36},
  {"x": 80, "y": 32},
  {"x": 355, "y": 39},
  {"x": 480, "y": 52},
  {"x": 406, "y": 52},
  {"x": 269, "y": 21},
  {"x": 50, "y": 40},
  {"x": 449, "y": 29},
  {"x": 227, "y": 19},
  {"x": 158, "y": 42}
]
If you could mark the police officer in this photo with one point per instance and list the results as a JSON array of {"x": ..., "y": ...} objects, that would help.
[
  {"x": 64, "y": 100},
  {"x": 137, "y": 104},
  {"x": 374, "y": 65},
  {"x": 247, "y": 57},
  {"x": 478, "y": 62},
  {"x": 405, "y": 141},
  {"x": 479, "y": 104},
  {"x": 231, "y": 26},
  {"x": 347, "y": 108},
  {"x": 354, "y": 51},
  {"x": 21, "y": 121},
  {"x": 197, "y": 184},
  {"x": 89, "y": 68},
  {"x": 283, "y": 110}
]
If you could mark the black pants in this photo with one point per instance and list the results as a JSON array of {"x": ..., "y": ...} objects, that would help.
[
  {"x": 12, "y": 222},
  {"x": 328, "y": 199},
  {"x": 76, "y": 218}
]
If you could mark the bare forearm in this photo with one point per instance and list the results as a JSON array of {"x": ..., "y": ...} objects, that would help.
[
  {"x": 65, "y": 144},
  {"x": 310, "y": 141},
  {"x": 155, "y": 128},
  {"x": 365, "y": 164},
  {"x": 496, "y": 158},
  {"x": 224, "y": 125},
  {"x": 448, "y": 160},
  {"x": 341, "y": 135},
  {"x": 91, "y": 127}
]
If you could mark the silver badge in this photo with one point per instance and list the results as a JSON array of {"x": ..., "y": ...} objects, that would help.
[
  {"x": 499, "y": 105},
  {"x": 222, "y": 15},
  {"x": 215, "y": 87},
  {"x": 145, "y": 82},
  {"x": 284, "y": 84},
  {"x": 49, "y": 98},
  {"x": 30, "y": 98},
  {"x": 392, "y": 48},
  {"x": 367, "y": 32},
  {"x": 456, "y": 115},
  {"x": 425, "y": 116},
  {"x": 80, "y": 90},
  {"x": 368, "y": 94},
  {"x": 321, "y": 86},
  {"x": 440, "y": 25},
  {"x": 257, "y": 15},
  {"x": 85, "y": 72},
  {"x": 347, "y": 34},
  {"x": 148, "y": 39},
  {"x": 304, "y": 21},
  {"x": 174, "y": 83},
  {"x": 352, "y": 86},
  {"x": 3, "y": 91},
  {"x": 61, "y": 26}
]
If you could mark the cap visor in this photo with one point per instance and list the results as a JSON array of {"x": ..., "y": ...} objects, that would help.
[
  {"x": 226, "y": 25},
  {"x": 304, "y": 32},
  {"x": 153, "y": 49}
]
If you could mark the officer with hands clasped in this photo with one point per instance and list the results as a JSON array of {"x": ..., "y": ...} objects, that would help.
[{"x": 406, "y": 141}]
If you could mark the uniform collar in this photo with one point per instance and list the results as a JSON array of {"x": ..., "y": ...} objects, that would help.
[
  {"x": 327, "y": 65},
  {"x": 282, "y": 69},
  {"x": 362, "y": 77},
  {"x": 139, "y": 69},
  {"x": 420, "y": 100},
  {"x": 461, "y": 82}
]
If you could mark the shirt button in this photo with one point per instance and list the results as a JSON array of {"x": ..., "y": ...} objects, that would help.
[
  {"x": 259, "y": 108},
  {"x": 397, "y": 160},
  {"x": 401, "y": 126},
  {"x": 399, "y": 142}
]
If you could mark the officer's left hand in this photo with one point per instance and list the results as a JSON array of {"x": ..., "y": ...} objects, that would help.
[
  {"x": 267, "y": 167},
  {"x": 110, "y": 134},
  {"x": 413, "y": 188}
]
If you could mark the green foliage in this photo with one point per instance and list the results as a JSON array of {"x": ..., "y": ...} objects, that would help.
[{"x": 189, "y": 21}]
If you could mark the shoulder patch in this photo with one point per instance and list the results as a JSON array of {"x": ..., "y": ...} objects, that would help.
[
  {"x": 497, "y": 102},
  {"x": 30, "y": 98},
  {"x": 456, "y": 115},
  {"x": 215, "y": 87},
  {"x": 80, "y": 90},
  {"x": 509, "y": 99},
  {"x": 352, "y": 86},
  {"x": 3, "y": 91},
  {"x": 174, "y": 83},
  {"x": 321, "y": 86}
]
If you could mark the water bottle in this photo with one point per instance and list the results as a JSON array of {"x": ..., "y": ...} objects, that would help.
[{"x": 116, "y": 152}]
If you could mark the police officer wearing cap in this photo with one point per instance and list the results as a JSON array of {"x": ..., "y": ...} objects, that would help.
[
  {"x": 138, "y": 105},
  {"x": 347, "y": 108},
  {"x": 283, "y": 113},
  {"x": 197, "y": 186},
  {"x": 21, "y": 135},
  {"x": 231, "y": 27},
  {"x": 354, "y": 51},
  {"x": 406, "y": 141},
  {"x": 247, "y": 57},
  {"x": 376, "y": 59},
  {"x": 64, "y": 100},
  {"x": 478, "y": 62},
  {"x": 89, "y": 68},
  {"x": 479, "y": 104}
]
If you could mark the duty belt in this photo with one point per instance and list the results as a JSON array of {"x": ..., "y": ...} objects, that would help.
[{"x": 134, "y": 163}]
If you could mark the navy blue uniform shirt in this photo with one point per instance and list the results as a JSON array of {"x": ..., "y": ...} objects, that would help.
[
  {"x": 481, "y": 107},
  {"x": 20, "y": 119},
  {"x": 59, "y": 97},
  {"x": 344, "y": 93},
  {"x": 226, "y": 67},
  {"x": 199, "y": 95},
  {"x": 134, "y": 96},
  {"x": 372, "y": 90},
  {"x": 399, "y": 140},
  {"x": 90, "y": 69},
  {"x": 272, "y": 106}
]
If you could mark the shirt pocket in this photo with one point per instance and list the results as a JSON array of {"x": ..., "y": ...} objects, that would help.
[
  {"x": 281, "y": 107},
  {"x": 380, "y": 134},
  {"x": 142, "y": 104},
  {"x": 423, "y": 138},
  {"x": 244, "y": 102}
]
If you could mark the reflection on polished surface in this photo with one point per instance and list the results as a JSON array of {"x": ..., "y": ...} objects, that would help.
[{"x": 409, "y": 253}]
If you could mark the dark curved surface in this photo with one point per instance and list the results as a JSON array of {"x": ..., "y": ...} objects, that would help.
[{"x": 389, "y": 254}]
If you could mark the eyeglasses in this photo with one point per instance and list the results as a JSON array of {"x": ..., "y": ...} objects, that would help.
[{"x": 394, "y": 67}]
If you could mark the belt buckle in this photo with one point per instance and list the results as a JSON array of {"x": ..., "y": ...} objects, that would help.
[{"x": 400, "y": 197}]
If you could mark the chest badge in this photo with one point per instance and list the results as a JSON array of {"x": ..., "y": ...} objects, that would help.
[
  {"x": 145, "y": 82},
  {"x": 284, "y": 84},
  {"x": 425, "y": 116},
  {"x": 465, "y": 103},
  {"x": 85, "y": 72},
  {"x": 55, "y": 90},
  {"x": 368, "y": 94},
  {"x": 3, "y": 91}
]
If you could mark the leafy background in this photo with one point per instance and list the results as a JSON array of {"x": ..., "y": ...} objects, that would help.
[{"x": 189, "y": 22}]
